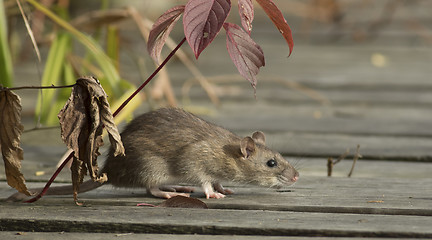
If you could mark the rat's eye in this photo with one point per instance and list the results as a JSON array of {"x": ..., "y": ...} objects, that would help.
[{"x": 272, "y": 163}]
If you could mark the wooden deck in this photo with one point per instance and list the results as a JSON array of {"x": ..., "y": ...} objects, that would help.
[
  {"x": 316, "y": 206},
  {"x": 313, "y": 105}
]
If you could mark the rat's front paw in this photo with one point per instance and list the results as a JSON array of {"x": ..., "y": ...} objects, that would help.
[
  {"x": 210, "y": 193},
  {"x": 216, "y": 195}
]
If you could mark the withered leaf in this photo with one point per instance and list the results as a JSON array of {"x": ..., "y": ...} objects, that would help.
[
  {"x": 78, "y": 170},
  {"x": 183, "y": 202},
  {"x": 10, "y": 133},
  {"x": 82, "y": 120}
]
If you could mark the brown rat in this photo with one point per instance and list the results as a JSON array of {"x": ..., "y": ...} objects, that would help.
[{"x": 171, "y": 146}]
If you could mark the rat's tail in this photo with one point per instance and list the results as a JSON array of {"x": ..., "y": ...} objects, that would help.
[{"x": 58, "y": 190}]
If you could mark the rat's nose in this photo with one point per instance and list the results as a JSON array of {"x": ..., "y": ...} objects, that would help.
[{"x": 296, "y": 177}]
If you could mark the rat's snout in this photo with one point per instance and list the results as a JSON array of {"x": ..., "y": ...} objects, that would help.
[
  {"x": 296, "y": 177},
  {"x": 289, "y": 176}
]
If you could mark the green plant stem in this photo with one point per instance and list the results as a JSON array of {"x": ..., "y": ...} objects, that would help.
[
  {"x": 69, "y": 157},
  {"x": 6, "y": 70}
]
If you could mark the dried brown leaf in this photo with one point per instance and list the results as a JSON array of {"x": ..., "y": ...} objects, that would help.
[
  {"x": 183, "y": 202},
  {"x": 82, "y": 120},
  {"x": 78, "y": 170},
  {"x": 10, "y": 133}
]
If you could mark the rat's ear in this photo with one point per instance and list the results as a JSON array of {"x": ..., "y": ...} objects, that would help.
[
  {"x": 259, "y": 137},
  {"x": 247, "y": 146}
]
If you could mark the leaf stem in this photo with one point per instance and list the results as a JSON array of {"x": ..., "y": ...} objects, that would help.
[
  {"x": 48, "y": 184},
  {"x": 150, "y": 77}
]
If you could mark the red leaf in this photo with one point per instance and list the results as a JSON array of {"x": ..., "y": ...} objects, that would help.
[
  {"x": 161, "y": 29},
  {"x": 246, "y": 12},
  {"x": 278, "y": 19},
  {"x": 183, "y": 202},
  {"x": 202, "y": 21},
  {"x": 247, "y": 55}
]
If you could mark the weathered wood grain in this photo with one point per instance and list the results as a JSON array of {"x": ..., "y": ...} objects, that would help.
[
  {"x": 316, "y": 206},
  {"x": 213, "y": 221}
]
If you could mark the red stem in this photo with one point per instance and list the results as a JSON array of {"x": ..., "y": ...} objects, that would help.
[
  {"x": 150, "y": 78},
  {"x": 48, "y": 184}
]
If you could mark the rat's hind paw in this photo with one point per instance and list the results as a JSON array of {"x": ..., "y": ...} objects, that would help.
[
  {"x": 218, "y": 187},
  {"x": 184, "y": 189},
  {"x": 155, "y": 191}
]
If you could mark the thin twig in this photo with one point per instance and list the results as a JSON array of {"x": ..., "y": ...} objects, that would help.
[
  {"x": 342, "y": 157},
  {"x": 331, "y": 163},
  {"x": 34, "y": 87},
  {"x": 40, "y": 128},
  {"x": 356, "y": 157}
]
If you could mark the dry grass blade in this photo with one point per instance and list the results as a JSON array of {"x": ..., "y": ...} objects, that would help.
[
  {"x": 10, "y": 132},
  {"x": 29, "y": 30},
  {"x": 98, "y": 18}
]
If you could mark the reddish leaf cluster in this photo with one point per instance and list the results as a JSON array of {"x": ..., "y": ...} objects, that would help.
[{"x": 202, "y": 21}]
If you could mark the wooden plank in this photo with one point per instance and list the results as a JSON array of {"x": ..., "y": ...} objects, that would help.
[
  {"x": 334, "y": 145},
  {"x": 140, "y": 236},
  {"x": 383, "y": 133},
  {"x": 315, "y": 206},
  {"x": 318, "y": 65},
  {"x": 314, "y": 194},
  {"x": 311, "y": 194},
  {"x": 368, "y": 120},
  {"x": 370, "y": 169},
  {"x": 339, "y": 95},
  {"x": 98, "y": 218}
]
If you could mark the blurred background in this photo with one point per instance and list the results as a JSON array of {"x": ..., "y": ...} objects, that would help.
[{"x": 359, "y": 74}]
